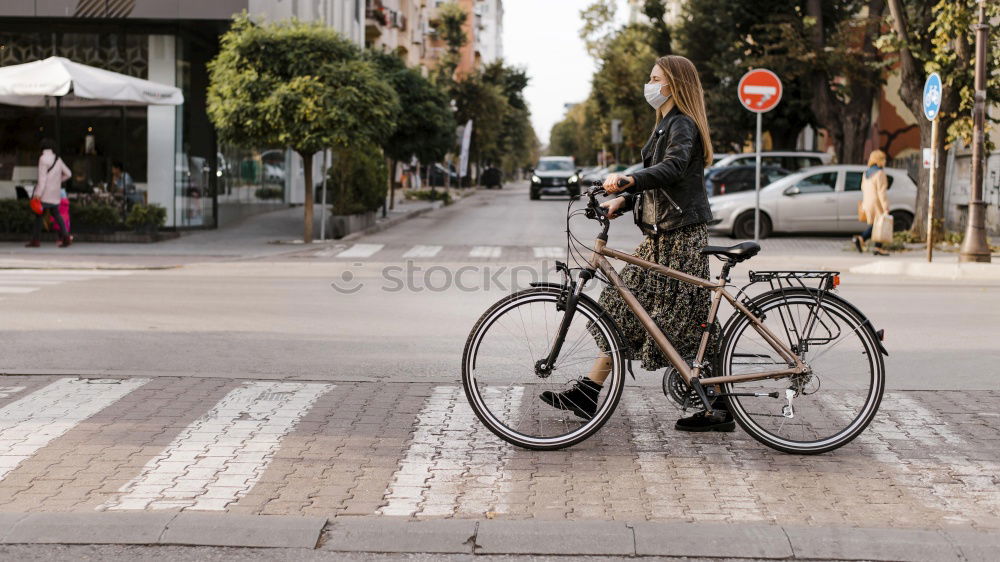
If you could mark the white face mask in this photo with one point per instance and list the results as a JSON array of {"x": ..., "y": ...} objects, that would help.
[{"x": 654, "y": 97}]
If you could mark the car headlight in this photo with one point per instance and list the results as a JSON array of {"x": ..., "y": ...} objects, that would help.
[
  {"x": 574, "y": 178},
  {"x": 536, "y": 179}
]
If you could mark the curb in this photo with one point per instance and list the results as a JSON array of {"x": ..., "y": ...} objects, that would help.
[
  {"x": 951, "y": 271},
  {"x": 189, "y": 529},
  {"x": 390, "y": 222},
  {"x": 620, "y": 538},
  {"x": 387, "y": 535}
]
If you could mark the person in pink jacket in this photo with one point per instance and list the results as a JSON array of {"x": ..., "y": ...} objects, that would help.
[{"x": 52, "y": 172}]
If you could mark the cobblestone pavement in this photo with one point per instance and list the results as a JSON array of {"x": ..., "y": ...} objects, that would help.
[{"x": 930, "y": 460}]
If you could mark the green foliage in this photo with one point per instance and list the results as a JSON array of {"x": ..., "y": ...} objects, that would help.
[
  {"x": 572, "y": 136},
  {"x": 429, "y": 195},
  {"x": 95, "y": 216},
  {"x": 269, "y": 193},
  {"x": 940, "y": 37},
  {"x": 450, "y": 28},
  {"x": 297, "y": 85},
  {"x": 659, "y": 33},
  {"x": 486, "y": 105},
  {"x": 425, "y": 125},
  {"x": 741, "y": 40},
  {"x": 151, "y": 215},
  {"x": 357, "y": 180},
  {"x": 16, "y": 216},
  {"x": 616, "y": 89},
  {"x": 598, "y": 25},
  {"x": 516, "y": 141}
]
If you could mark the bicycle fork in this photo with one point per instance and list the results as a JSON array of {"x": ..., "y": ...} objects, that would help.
[{"x": 568, "y": 301}]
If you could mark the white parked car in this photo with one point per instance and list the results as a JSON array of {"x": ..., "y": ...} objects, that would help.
[
  {"x": 818, "y": 199},
  {"x": 791, "y": 161}
]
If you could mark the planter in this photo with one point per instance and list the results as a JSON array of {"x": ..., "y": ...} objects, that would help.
[
  {"x": 342, "y": 225},
  {"x": 147, "y": 229}
]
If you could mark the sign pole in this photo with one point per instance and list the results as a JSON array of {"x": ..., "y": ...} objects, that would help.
[
  {"x": 932, "y": 177},
  {"x": 756, "y": 211}
]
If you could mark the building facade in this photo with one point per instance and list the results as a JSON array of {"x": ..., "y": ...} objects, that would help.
[{"x": 171, "y": 153}]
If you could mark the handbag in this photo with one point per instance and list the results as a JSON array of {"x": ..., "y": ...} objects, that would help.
[
  {"x": 862, "y": 217},
  {"x": 36, "y": 206},
  {"x": 882, "y": 230}
]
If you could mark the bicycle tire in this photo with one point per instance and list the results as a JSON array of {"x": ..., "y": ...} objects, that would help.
[
  {"x": 586, "y": 308},
  {"x": 836, "y": 308}
]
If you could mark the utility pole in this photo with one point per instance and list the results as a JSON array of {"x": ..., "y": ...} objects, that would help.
[{"x": 975, "y": 248}]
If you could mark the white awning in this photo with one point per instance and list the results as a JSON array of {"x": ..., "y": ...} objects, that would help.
[{"x": 34, "y": 83}]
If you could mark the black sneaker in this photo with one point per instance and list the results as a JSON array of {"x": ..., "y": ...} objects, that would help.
[
  {"x": 720, "y": 420},
  {"x": 581, "y": 399}
]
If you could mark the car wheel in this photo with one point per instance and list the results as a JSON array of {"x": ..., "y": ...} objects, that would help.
[
  {"x": 743, "y": 227},
  {"x": 901, "y": 220},
  {"x": 534, "y": 194}
]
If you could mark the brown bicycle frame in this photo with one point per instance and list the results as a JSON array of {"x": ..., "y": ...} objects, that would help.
[{"x": 598, "y": 260}]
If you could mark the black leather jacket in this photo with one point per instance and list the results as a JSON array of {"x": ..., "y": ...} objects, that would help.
[{"x": 670, "y": 191}]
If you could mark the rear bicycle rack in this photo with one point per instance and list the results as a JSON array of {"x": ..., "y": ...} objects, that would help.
[{"x": 818, "y": 284}]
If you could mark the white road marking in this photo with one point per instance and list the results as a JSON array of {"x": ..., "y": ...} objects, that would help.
[
  {"x": 450, "y": 447},
  {"x": 8, "y": 391},
  {"x": 360, "y": 251},
  {"x": 661, "y": 470},
  {"x": 24, "y": 281},
  {"x": 218, "y": 458},
  {"x": 422, "y": 252},
  {"x": 485, "y": 252},
  {"x": 329, "y": 252},
  {"x": 549, "y": 252},
  {"x": 32, "y": 422}
]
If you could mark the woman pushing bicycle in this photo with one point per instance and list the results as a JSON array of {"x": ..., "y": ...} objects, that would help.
[{"x": 671, "y": 208}]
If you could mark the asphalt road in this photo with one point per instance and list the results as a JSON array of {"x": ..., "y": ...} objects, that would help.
[{"x": 418, "y": 289}]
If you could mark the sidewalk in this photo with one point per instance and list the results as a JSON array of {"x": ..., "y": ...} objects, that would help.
[{"x": 255, "y": 237}]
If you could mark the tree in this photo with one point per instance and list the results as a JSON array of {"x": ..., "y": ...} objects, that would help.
[
  {"x": 937, "y": 37},
  {"x": 659, "y": 32},
  {"x": 571, "y": 136},
  {"x": 449, "y": 26},
  {"x": 598, "y": 25},
  {"x": 296, "y": 85},
  {"x": 617, "y": 88},
  {"x": 425, "y": 126},
  {"x": 517, "y": 137},
  {"x": 486, "y": 105},
  {"x": 740, "y": 40}
]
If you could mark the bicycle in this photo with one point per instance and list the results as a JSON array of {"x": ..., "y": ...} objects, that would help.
[{"x": 802, "y": 367}]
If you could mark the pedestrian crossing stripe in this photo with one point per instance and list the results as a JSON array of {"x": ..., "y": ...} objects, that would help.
[
  {"x": 361, "y": 251},
  {"x": 218, "y": 458},
  {"x": 485, "y": 252},
  {"x": 422, "y": 251},
  {"x": 28, "y": 424},
  {"x": 450, "y": 464},
  {"x": 549, "y": 252},
  {"x": 26, "y": 281}
]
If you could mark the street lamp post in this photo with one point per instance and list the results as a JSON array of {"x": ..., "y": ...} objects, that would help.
[{"x": 974, "y": 245}]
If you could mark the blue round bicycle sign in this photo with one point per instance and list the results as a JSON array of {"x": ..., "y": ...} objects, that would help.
[{"x": 932, "y": 96}]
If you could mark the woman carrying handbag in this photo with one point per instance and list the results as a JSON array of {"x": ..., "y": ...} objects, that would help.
[
  {"x": 874, "y": 206},
  {"x": 52, "y": 171}
]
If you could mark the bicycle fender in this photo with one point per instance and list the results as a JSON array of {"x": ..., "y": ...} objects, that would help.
[{"x": 604, "y": 313}]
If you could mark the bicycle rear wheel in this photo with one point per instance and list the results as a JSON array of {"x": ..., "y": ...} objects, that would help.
[
  {"x": 500, "y": 376},
  {"x": 829, "y": 406}
]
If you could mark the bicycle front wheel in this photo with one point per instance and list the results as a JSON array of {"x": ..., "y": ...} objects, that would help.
[
  {"x": 505, "y": 387},
  {"x": 814, "y": 412}
]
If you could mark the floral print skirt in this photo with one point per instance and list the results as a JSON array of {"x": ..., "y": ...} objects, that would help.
[{"x": 677, "y": 308}]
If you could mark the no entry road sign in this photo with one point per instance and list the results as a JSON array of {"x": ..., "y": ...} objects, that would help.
[{"x": 759, "y": 90}]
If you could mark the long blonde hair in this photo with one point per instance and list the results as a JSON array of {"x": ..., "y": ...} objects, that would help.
[
  {"x": 877, "y": 158},
  {"x": 688, "y": 96}
]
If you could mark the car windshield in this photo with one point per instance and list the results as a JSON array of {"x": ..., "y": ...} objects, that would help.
[{"x": 555, "y": 166}]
